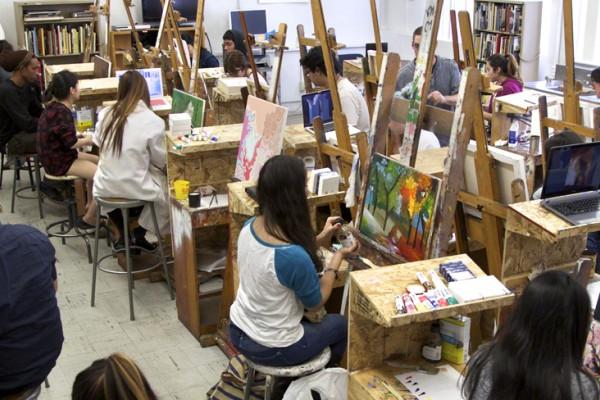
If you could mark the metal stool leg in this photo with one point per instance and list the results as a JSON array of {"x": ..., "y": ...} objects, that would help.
[
  {"x": 249, "y": 383},
  {"x": 46, "y": 383},
  {"x": 38, "y": 182},
  {"x": 125, "y": 212},
  {"x": 28, "y": 162},
  {"x": 161, "y": 250},
  {"x": 95, "y": 262},
  {"x": 1, "y": 168},
  {"x": 269, "y": 381},
  {"x": 14, "y": 188}
]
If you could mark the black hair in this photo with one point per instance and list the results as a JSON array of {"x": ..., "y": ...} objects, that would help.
[
  {"x": 563, "y": 138},
  {"x": 281, "y": 192},
  {"x": 314, "y": 61},
  {"x": 237, "y": 38},
  {"x": 233, "y": 62},
  {"x": 5, "y": 46},
  {"x": 61, "y": 85},
  {"x": 417, "y": 32},
  {"x": 507, "y": 63},
  {"x": 539, "y": 351},
  {"x": 595, "y": 75}
]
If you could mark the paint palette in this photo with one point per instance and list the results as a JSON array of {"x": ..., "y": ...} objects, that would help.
[{"x": 445, "y": 385}]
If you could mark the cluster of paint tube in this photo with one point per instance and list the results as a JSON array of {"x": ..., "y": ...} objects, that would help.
[
  {"x": 426, "y": 296},
  {"x": 197, "y": 135}
]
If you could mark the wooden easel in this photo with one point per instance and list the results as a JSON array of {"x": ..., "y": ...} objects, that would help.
[
  {"x": 249, "y": 42},
  {"x": 89, "y": 39},
  {"x": 194, "y": 88},
  {"x": 142, "y": 56},
  {"x": 455, "y": 47},
  {"x": 343, "y": 151},
  {"x": 372, "y": 78},
  {"x": 169, "y": 25},
  {"x": 278, "y": 43},
  {"x": 420, "y": 85}
]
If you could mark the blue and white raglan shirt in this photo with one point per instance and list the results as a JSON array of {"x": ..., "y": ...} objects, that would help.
[{"x": 276, "y": 283}]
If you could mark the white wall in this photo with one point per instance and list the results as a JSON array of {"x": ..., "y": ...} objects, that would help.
[{"x": 7, "y": 20}]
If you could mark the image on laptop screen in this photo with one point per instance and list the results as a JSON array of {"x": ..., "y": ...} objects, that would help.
[
  {"x": 153, "y": 77},
  {"x": 315, "y": 105},
  {"x": 572, "y": 169}
]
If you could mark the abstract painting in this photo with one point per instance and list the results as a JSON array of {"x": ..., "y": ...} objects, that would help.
[
  {"x": 193, "y": 106},
  {"x": 398, "y": 209},
  {"x": 262, "y": 137}
]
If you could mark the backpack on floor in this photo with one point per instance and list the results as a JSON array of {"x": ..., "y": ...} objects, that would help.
[{"x": 233, "y": 381}]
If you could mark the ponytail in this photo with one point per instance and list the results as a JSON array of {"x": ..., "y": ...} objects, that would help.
[
  {"x": 508, "y": 65},
  {"x": 61, "y": 85}
]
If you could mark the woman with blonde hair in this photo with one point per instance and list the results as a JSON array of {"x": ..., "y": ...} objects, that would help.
[
  {"x": 116, "y": 377},
  {"x": 132, "y": 162}
]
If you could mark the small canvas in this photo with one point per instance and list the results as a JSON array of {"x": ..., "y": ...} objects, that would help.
[
  {"x": 262, "y": 137},
  {"x": 398, "y": 209},
  {"x": 193, "y": 106}
]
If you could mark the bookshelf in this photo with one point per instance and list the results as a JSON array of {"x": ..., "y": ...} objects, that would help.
[
  {"x": 509, "y": 27},
  {"x": 55, "y": 30}
]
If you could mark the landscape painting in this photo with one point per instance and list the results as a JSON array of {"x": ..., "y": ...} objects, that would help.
[
  {"x": 399, "y": 208},
  {"x": 193, "y": 106},
  {"x": 262, "y": 137}
]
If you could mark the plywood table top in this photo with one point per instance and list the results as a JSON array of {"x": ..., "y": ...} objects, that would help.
[
  {"x": 98, "y": 86},
  {"x": 523, "y": 102},
  {"x": 82, "y": 70},
  {"x": 429, "y": 161},
  {"x": 376, "y": 291},
  {"x": 228, "y": 138},
  {"x": 297, "y": 138},
  {"x": 531, "y": 219}
]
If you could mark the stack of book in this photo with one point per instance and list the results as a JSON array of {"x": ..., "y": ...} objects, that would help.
[
  {"x": 487, "y": 44},
  {"x": 58, "y": 39},
  {"x": 505, "y": 18}
]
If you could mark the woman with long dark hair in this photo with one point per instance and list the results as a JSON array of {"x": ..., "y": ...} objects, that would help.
[
  {"x": 278, "y": 263},
  {"x": 58, "y": 142},
  {"x": 538, "y": 352},
  {"x": 503, "y": 70},
  {"x": 131, "y": 139},
  {"x": 116, "y": 377}
]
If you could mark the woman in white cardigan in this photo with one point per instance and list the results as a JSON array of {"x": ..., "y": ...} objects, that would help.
[{"x": 132, "y": 162}]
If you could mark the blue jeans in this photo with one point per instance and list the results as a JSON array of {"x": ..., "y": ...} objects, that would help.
[
  {"x": 593, "y": 242},
  {"x": 332, "y": 332}
]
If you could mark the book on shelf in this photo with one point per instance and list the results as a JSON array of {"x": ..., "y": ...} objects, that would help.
[
  {"x": 501, "y": 17},
  {"x": 487, "y": 44},
  {"x": 58, "y": 39}
]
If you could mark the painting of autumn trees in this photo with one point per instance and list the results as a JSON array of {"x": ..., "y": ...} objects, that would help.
[{"x": 398, "y": 210}]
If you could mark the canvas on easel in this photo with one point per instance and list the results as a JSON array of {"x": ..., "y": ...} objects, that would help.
[
  {"x": 398, "y": 209},
  {"x": 262, "y": 137},
  {"x": 193, "y": 106}
]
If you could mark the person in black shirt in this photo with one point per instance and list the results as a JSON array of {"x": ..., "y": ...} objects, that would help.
[
  {"x": 233, "y": 40},
  {"x": 31, "y": 333},
  {"x": 20, "y": 102},
  {"x": 5, "y": 48}
]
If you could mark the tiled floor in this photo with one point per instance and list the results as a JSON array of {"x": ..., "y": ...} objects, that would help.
[{"x": 172, "y": 360}]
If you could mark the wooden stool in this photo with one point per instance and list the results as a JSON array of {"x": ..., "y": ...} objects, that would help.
[
  {"x": 34, "y": 186},
  {"x": 68, "y": 227},
  {"x": 125, "y": 205},
  {"x": 294, "y": 371}
]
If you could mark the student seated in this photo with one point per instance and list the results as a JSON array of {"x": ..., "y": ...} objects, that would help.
[
  {"x": 538, "y": 352},
  {"x": 234, "y": 40},
  {"x": 20, "y": 102},
  {"x": 278, "y": 262},
  {"x": 595, "y": 78},
  {"x": 57, "y": 141},
  {"x": 31, "y": 335},
  {"x": 445, "y": 77},
  {"x": 591, "y": 355},
  {"x": 131, "y": 139},
  {"x": 502, "y": 69},
  {"x": 116, "y": 377},
  {"x": 5, "y": 48},
  {"x": 353, "y": 103},
  {"x": 207, "y": 59},
  {"x": 235, "y": 65}
]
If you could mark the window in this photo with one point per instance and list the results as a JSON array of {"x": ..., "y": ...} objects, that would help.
[{"x": 586, "y": 31}]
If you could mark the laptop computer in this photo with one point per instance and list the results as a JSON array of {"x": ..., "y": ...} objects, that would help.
[
  {"x": 153, "y": 77},
  {"x": 101, "y": 67},
  {"x": 572, "y": 186},
  {"x": 319, "y": 104}
]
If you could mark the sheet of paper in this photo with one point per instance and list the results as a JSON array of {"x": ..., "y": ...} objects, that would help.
[{"x": 443, "y": 386}]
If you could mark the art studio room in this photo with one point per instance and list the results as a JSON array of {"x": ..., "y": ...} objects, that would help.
[{"x": 299, "y": 200}]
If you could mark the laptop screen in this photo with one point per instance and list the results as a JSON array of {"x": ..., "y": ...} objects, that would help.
[
  {"x": 572, "y": 169},
  {"x": 317, "y": 104},
  {"x": 153, "y": 77}
]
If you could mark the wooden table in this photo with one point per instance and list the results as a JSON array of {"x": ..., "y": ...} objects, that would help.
[
  {"x": 376, "y": 330},
  {"x": 227, "y": 109},
  {"x": 429, "y": 161},
  {"x": 82, "y": 70},
  {"x": 536, "y": 239},
  {"x": 93, "y": 92},
  {"x": 299, "y": 142}
]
